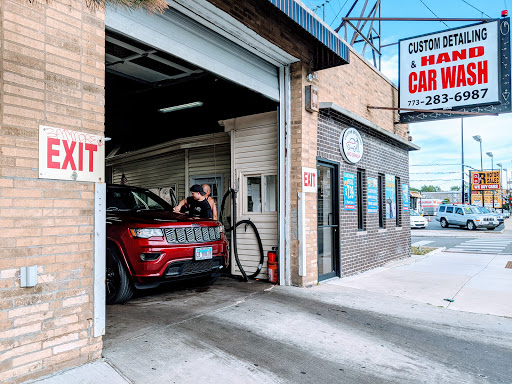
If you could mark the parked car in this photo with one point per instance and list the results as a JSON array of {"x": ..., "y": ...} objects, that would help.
[
  {"x": 467, "y": 216},
  {"x": 493, "y": 212},
  {"x": 418, "y": 221},
  {"x": 148, "y": 244}
]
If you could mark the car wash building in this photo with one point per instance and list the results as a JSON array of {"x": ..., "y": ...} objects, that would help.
[{"x": 261, "y": 97}]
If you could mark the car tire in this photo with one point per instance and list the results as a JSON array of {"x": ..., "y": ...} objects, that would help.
[
  {"x": 118, "y": 287},
  {"x": 444, "y": 223},
  {"x": 470, "y": 225}
]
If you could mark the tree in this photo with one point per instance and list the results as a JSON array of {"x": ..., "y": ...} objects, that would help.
[
  {"x": 414, "y": 189},
  {"x": 430, "y": 188},
  {"x": 455, "y": 188}
]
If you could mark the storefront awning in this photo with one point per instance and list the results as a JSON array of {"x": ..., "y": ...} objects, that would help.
[
  {"x": 306, "y": 18},
  {"x": 415, "y": 194}
]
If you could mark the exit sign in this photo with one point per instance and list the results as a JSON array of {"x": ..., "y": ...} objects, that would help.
[{"x": 309, "y": 180}]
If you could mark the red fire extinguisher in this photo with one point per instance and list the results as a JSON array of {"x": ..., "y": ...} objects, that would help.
[{"x": 272, "y": 266}]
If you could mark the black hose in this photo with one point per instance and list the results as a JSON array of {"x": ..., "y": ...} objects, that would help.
[{"x": 232, "y": 227}]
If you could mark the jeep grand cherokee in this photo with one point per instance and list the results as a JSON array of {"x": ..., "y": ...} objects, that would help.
[{"x": 148, "y": 244}]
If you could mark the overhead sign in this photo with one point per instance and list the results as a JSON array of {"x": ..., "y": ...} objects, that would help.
[
  {"x": 485, "y": 180},
  {"x": 71, "y": 155},
  {"x": 309, "y": 180},
  {"x": 463, "y": 69},
  {"x": 351, "y": 145}
]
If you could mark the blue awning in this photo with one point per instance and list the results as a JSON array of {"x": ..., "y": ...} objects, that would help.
[{"x": 303, "y": 16}]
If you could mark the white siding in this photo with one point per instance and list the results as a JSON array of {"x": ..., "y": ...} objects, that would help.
[{"x": 254, "y": 147}]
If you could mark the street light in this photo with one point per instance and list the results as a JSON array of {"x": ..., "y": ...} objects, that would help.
[
  {"x": 501, "y": 171},
  {"x": 492, "y": 169},
  {"x": 479, "y": 139}
]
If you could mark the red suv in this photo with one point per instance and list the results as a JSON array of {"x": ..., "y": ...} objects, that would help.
[{"x": 148, "y": 244}]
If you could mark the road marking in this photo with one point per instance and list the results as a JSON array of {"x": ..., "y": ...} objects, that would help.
[{"x": 482, "y": 246}]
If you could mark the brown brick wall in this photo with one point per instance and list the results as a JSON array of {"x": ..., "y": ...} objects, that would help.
[
  {"x": 358, "y": 85},
  {"x": 52, "y": 73}
]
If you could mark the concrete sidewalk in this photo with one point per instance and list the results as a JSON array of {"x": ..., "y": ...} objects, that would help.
[{"x": 476, "y": 283}]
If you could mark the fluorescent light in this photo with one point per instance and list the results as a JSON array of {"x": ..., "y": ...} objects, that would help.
[{"x": 182, "y": 106}]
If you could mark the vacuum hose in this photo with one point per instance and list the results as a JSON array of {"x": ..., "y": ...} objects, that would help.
[{"x": 232, "y": 228}]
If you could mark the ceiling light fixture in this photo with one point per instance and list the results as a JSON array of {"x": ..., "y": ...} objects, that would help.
[{"x": 182, "y": 106}]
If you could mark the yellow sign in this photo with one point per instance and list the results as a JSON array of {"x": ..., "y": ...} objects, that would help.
[
  {"x": 476, "y": 198},
  {"x": 485, "y": 180}
]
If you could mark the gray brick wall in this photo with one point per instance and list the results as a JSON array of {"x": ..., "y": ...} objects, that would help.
[{"x": 373, "y": 246}]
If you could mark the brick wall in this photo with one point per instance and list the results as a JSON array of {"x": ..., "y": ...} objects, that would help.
[
  {"x": 52, "y": 58},
  {"x": 374, "y": 246},
  {"x": 358, "y": 85}
]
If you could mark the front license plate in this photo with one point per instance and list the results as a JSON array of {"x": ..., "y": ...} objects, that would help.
[{"x": 204, "y": 253}]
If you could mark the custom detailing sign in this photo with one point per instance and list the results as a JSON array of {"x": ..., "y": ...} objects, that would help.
[
  {"x": 351, "y": 145},
  {"x": 459, "y": 69},
  {"x": 349, "y": 191},
  {"x": 373, "y": 198},
  {"x": 71, "y": 155}
]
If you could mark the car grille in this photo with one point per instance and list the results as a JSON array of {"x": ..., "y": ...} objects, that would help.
[
  {"x": 192, "y": 235},
  {"x": 193, "y": 267}
]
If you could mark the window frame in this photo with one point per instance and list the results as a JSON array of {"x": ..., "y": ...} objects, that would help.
[{"x": 245, "y": 201}]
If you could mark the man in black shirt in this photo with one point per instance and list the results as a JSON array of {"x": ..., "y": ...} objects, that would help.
[{"x": 197, "y": 205}]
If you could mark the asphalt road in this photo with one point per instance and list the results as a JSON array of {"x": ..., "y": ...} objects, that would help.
[
  {"x": 237, "y": 332},
  {"x": 434, "y": 225}
]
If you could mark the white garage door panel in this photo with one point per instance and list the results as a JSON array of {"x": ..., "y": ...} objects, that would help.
[{"x": 178, "y": 35}]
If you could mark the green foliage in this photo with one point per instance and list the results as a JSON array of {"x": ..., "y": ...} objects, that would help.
[
  {"x": 430, "y": 188},
  {"x": 455, "y": 188}
]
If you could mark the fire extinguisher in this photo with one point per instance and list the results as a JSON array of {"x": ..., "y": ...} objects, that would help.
[{"x": 273, "y": 270}]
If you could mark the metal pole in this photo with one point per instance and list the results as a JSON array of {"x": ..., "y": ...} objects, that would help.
[
  {"x": 492, "y": 169},
  {"x": 481, "y": 170},
  {"x": 462, "y": 153}
]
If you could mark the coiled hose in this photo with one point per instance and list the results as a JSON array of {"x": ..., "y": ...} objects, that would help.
[{"x": 231, "y": 192}]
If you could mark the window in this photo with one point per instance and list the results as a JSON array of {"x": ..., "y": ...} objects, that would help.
[
  {"x": 360, "y": 201},
  {"x": 441, "y": 208},
  {"x": 459, "y": 211},
  {"x": 381, "y": 200},
  {"x": 398, "y": 194},
  {"x": 258, "y": 199},
  {"x": 449, "y": 209}
]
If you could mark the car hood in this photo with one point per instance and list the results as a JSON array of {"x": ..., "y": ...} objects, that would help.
[{"x": 163, "y": 218}]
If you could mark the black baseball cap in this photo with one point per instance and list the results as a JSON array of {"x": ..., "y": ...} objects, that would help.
[{"x": 197, "y": 188}]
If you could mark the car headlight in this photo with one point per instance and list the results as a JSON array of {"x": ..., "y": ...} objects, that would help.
[{"x": 146, "y": 233}]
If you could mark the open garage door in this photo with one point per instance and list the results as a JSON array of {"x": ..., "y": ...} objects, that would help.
[{"x": 175, "y": 33}]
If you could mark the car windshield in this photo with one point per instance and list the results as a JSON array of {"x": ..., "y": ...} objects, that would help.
[
  {"x": 119, "y": 199},
  {"x": 470, "y": 210},
  {"x": 484, "y": 210},
  {"x": 414, "y": 213}
]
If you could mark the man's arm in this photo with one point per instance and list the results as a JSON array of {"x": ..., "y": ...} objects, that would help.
[
  {"x": 181, "y": 204},
  {"x": 213, "y": 206}
]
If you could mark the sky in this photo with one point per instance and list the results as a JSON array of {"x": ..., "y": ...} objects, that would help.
[{"x": 439, "y": 160}]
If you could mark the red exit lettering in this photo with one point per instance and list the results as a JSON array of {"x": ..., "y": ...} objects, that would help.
[
  {"x": 309, "y": 179},
  {"x": 70, "y": 149}
]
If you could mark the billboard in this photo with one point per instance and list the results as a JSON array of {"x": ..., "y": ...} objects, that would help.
[
  {"x": 476, "y": 198},
  {"x": 462, "y": 69},
  {"x": 485, "y": 180}
]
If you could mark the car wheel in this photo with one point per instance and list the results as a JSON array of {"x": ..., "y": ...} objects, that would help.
[
  {"x": 491, "y": 229},
  {"x": 118, "y": 287},
  {"x": 471, "y": 226},
  {"x": 444, "y": 223}
]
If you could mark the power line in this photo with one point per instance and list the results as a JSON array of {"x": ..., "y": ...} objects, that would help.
[
  {"x": 341, "y": 9},
  {"x": 482, "y": 12},
  {"x": 433, "y": 13}
]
